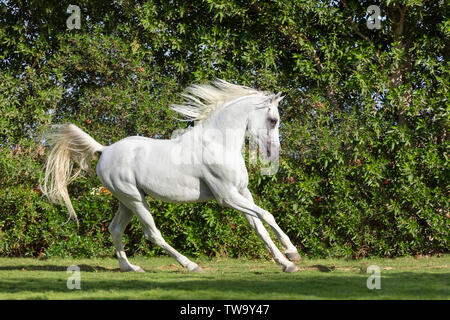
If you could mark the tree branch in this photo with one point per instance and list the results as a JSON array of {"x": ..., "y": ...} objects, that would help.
[{"x": 364, "y": 37}]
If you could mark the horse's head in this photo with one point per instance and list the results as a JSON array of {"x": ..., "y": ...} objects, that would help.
[{"x": 262, "y": 125}]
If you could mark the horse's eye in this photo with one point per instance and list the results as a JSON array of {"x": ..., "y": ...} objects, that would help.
[{"x": 273, "y": 122}]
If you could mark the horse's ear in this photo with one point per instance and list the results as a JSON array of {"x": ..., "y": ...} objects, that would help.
[{"x": 278, "y": 97}]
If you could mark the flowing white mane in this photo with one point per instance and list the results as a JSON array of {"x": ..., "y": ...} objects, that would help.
[{"x": 202, "y": 99}]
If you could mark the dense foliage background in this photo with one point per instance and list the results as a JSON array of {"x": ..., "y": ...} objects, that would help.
[{"x": 364, "y": 169}]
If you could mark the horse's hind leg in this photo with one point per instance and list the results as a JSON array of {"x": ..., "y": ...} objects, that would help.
[
  {"x": 142, "y": 211},
  {"x": 116, "y": 228}
]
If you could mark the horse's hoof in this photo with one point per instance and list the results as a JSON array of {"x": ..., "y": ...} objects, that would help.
[
  {"x": 133, "y": 269},
  {"x": 290, "y": 268},
  {"x": 197, "y": 269},
  {"x": 293, "y": 256}
]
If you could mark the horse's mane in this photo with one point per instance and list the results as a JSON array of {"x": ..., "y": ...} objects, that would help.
[{"x": 202, "y": 99}]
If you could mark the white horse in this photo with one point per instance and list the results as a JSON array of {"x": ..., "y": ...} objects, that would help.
[{"x": 202, "y": 164}]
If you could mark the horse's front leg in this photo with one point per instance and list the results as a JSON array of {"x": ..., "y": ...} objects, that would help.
[
  {"x": 290, "y": 251},
  {"x": 232, "y": 198}
]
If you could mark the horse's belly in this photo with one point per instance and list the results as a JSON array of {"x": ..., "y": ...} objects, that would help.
[{"x": 174, "y": 191}]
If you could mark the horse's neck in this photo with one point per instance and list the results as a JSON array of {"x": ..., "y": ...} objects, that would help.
[{"x": 230, "y": 124}]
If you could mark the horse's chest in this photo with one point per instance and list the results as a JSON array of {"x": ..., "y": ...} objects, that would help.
[{"x": 241, "y": 177}]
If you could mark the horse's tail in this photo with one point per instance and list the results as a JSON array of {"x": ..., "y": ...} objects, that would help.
[{"x": 70, "y": 145}]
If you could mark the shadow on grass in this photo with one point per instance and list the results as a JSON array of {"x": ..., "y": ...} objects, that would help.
[
  {"x": 83, "y": 267},
  {"x": 90, "y": 268},
  {"x": 400, "y": 285}
]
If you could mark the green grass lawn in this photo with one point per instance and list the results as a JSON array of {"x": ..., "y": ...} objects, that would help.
[{"x": 401, "y": 278}]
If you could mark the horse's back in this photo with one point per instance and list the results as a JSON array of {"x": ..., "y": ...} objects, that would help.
[{"x": 152, "y": 166}]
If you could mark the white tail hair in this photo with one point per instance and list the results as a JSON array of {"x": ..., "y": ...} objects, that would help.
[{"x": 70, "y": 145}]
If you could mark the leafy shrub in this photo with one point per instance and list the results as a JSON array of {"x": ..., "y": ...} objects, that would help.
[{"x": 364, "y": 169}]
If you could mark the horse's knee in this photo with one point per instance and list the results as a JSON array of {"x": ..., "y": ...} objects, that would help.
[
  {"x": 113, "y": 230},
  {"x": 267, "y": 217},
  {"x": 257, "y": 226},
  {"x": 155, "y": 237},
  {"x": 159, "y": 241}
]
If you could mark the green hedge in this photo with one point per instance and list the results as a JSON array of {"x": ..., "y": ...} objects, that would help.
[
  {"x": 364, "y": 169},
  {"x": 325, "y": 217}
]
